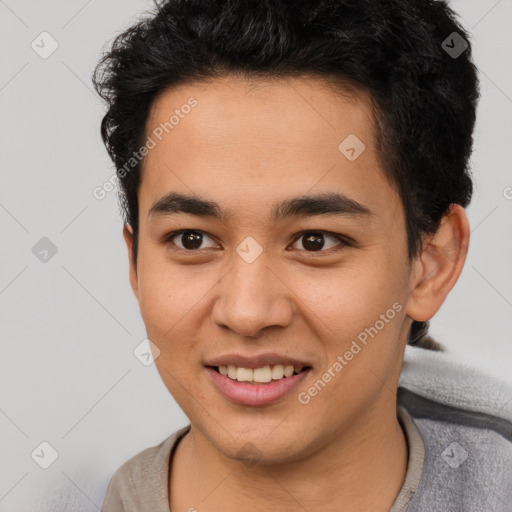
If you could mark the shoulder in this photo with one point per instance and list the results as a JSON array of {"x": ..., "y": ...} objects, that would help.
[
  {"x": 141, "y": 482},
  {"x": 464, "y": 417}
]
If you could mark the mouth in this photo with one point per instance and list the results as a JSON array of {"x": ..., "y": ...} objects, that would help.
[
  {"x": 257, "y": 386},
  {"x": 259, "y": 376}
]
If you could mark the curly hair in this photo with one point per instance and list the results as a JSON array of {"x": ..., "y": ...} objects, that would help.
[{"x": 423, "y": 97}]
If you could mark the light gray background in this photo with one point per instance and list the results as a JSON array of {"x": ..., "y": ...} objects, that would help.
[{"x": 69, "y": 326}]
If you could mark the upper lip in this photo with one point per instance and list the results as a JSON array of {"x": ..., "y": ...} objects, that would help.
[{"x": 255, "y": 361}]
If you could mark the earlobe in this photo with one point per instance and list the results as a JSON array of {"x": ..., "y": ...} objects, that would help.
[
  {"x": 128, "y": 238},
  {"x": 439, "y": 266}
]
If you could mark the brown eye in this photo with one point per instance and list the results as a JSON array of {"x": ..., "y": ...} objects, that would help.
[
  {"x": 314, "y": 241},
  {"x": 190, "y": 239}
]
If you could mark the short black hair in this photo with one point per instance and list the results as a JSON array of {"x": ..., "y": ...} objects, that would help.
[{"x": 400, "y": 52}]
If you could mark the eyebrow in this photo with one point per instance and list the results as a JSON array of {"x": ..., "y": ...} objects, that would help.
[{"x": 302, "y": 206}]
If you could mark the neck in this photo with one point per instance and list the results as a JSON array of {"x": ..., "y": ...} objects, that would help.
[{"x": 362, "y": 469}]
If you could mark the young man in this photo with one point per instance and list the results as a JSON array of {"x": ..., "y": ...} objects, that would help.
[{"x": 294, "y": 177}]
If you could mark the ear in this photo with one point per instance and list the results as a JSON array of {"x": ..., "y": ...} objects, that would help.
[
  {"x": 128, "y": 238},
  {"x": 439, "y": 266}
]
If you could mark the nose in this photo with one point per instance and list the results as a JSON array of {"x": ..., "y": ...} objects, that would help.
[{"x": 252, "y": 297}]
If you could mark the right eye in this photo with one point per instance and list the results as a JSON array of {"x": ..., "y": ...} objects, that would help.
[{"x": 190, "y": 239}]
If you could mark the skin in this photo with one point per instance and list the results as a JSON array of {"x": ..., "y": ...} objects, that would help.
[{"x": 246, "y": 145}]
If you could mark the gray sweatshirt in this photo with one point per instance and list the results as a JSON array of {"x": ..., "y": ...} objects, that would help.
[{"x": 458, "y": 426}]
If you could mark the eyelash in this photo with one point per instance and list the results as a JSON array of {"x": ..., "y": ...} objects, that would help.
[{"x": 344, "y": 242}]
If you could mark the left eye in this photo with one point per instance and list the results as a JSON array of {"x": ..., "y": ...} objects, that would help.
[{"x": 314, "y": 240}]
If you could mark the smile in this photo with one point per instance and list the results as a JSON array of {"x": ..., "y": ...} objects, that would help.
[
  {"x": 260, "y": 375},
  {"x": 243, "y": 386}
]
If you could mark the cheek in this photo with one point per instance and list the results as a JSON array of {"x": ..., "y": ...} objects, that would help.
[
  {"x": 155, "y": 301},
  {"x": 172, "y": 300},
  {"x": 167, "y": 308},
  {"x": 352, "y": 298},
  {"x": 161, "y": 287},
  {"x": 159, "y": 293},
  {"x": 358, "y": 314}
]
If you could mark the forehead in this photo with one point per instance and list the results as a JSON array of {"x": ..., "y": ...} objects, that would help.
[
  {"x": 279, "y": 111},
  {"x": 262, "y": 139}
]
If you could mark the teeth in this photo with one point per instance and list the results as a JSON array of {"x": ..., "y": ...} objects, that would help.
[
  {"x": 261, "y": 375},
  {"x": 244, "y": 375},
  {"x": 231, "y": 372},
  {"x": 288, "y": 371},
  {"x": 277, "y": 372}
]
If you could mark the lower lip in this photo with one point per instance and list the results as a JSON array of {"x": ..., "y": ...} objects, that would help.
[{"x": 243, "y": 393}]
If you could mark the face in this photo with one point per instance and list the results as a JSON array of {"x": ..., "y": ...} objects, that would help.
[{"x": 294, "y": 252}]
